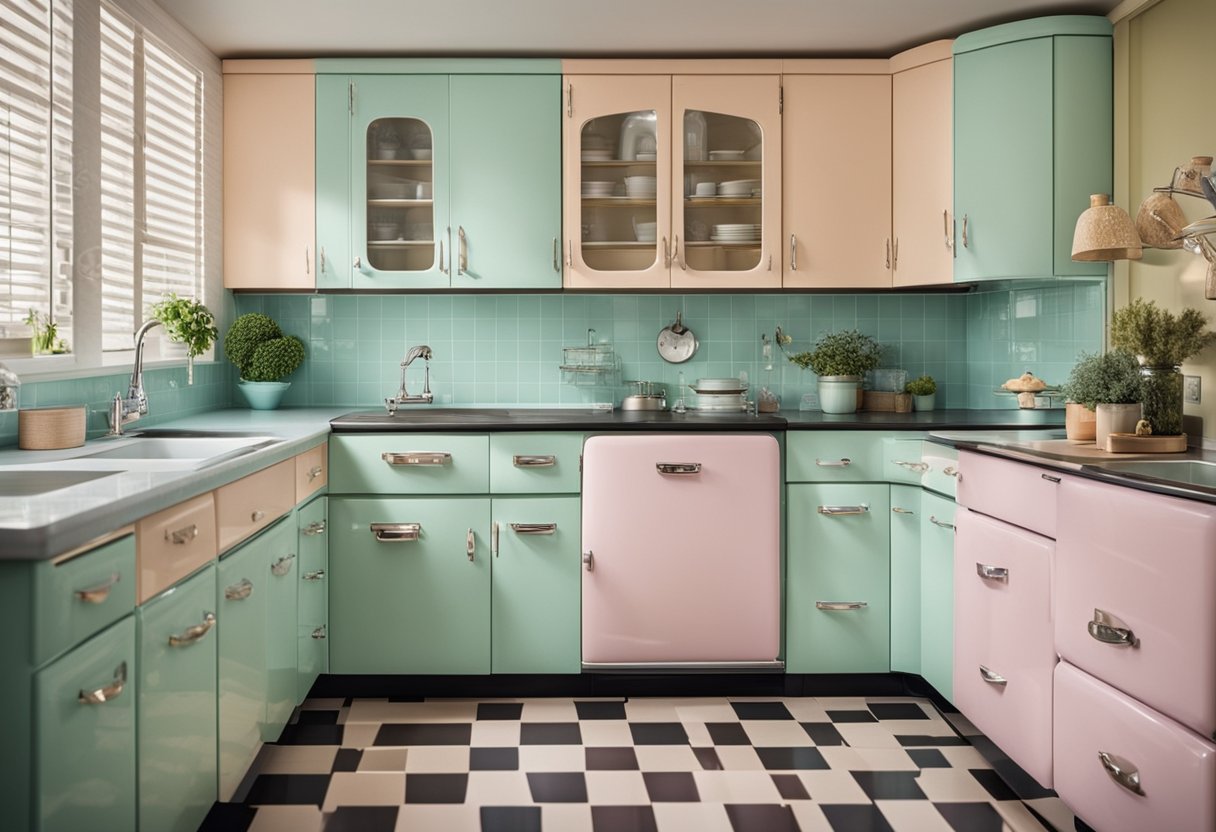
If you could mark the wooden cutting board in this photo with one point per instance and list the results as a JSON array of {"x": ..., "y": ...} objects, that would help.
[{"x": 1083, "y": 451}]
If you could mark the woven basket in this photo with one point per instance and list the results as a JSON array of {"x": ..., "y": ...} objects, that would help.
[{"x": 50, "y": 428}]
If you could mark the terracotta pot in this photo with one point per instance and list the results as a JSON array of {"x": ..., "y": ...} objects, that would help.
[{"x": 1080, "y": 423}]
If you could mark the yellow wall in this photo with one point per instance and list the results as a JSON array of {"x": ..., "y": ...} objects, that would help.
[{"x": 1165, "y": 69}]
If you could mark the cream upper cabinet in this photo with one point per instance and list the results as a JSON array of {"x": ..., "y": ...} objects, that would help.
[
  {"x": 269, "y": 178},
  {"x": 836, "y": 189},
  {"x": 922, "y": 175}
]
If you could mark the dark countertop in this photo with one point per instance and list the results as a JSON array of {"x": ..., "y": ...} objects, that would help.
[{"x": 934, "y": 420}]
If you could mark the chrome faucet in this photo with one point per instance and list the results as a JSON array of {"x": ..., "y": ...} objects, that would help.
[
  {"x": 123, "y": 411},
  {"x": 403, "y": 396}
]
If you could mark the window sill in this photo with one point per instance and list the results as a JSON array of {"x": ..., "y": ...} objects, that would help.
[{"x": 51, "y": 368}]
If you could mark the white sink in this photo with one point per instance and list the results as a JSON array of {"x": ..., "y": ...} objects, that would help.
[{"x": 161, "y": 452}]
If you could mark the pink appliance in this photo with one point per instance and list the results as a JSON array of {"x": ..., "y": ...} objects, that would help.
[{"x": 681, "y": 552}]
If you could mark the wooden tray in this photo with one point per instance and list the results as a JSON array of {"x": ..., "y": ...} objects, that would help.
[
  {"x": 1130, "y": 443},
  {"x": 880, "y": 402}
]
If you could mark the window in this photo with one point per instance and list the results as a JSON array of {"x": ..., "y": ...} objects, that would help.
[
  {"x": 151, "y": 177},
  {"x": 35, "y": 165}
]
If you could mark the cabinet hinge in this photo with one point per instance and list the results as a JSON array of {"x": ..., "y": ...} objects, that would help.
[
  {"x": 780, "y": 99},
  {"x": 350, "y": 98}
]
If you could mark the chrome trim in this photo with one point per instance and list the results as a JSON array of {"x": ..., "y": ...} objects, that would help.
[
  {"x": 98, "y": 594},
  {"x": 951, "y": 471},
  {"x": 940, "y": 523},
  {"x": 182, "y": 536},
  {"x": 992, "y": 573},
  {"x": 793, "y": 253},
  {"x": 534, "y": 460},
  {"x": 1050, "y": 478},
  {"x": 319, "y": 633},
  {"x": 1122, "y": 771},
  {"x": 557, "y": 263},
  {"x": 916, "y": 467},
  {"x": 992, "y": 678},
  {"x": 678, "y": 467},
  {"x": 534, "y": 528},
  {"x": 101, "y": 695},
  {"x": 470, "y": 544},
  {"x": 256, "y": 515},
  {"x": 589, "y": 561},
  {"x": 844, "y": 511},
  {"x": 416, "y": 458},
  {"x": 685, "y": 667},
  {"x": 195, "y": 633},
  {"x": 843, "y": 462},
  {"x": 840, "y": 606},
  {"x": 314, "y": 528},
  {"x": 283, "y": 565},
  {"x": 965, "y": 220},
  {"x": 396, "y": 532},
  {"x": 239, "y": 591},
  {"x": 1109, "y": 629},
  {"x": 898, "y": 510},
  {"x": 462, "y": 263},
  {"x": 315, "y": 471},
  {"x": 494, "y": 539},
  {"x": 315, "y": 575}
]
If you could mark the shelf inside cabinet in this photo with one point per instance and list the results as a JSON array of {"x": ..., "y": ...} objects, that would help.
[
  {"x": 399, "y": 203},
  {"x": 399, "y": 243},
  {"x": 613, "y": 244},
  {"x": 722, "y": 163},
  {"x": 618, "y": 163},
  {"x": 616, "y": 202},
  {"x": 716, "y": 244},
  {"x": 400, "y": 163},
  {"x": 720, "y": 201}
]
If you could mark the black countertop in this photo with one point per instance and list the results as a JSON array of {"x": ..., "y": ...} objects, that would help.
[{"x": 934, "y": 420}]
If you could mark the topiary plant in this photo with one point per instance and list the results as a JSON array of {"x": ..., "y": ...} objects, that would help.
[
  {"x": 245, "y": 334},
  {"x": 274, "y": 359},
  {"x": 846, "y": 353},
  {"x": 1112, "y": 378},
  {"x": 1157, "y": 336},
  {"x": 923, "y": 386}
]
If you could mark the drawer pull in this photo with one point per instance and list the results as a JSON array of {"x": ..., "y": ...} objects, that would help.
[
  {"x": 315, "y": 575},
  {"x": 898, "y": 510},
  {"x": 941, "y": 523},
  {"x": 494, "y": 539},
  {"x": 256, "y": 515},
  {"x": 315, "y": 471},
  {"x": 470, "y": 544},
  {"x": 534, "y": 460},
  {"x": 1050, "y": 478},
  {"x": 319, "y": 633},
  {"x": 534, "y": 528},
  {"x": 396, "y": 532},
  {"x": 840, "y": 606},
  {"x": 917, "y": 467},
  {"x": 282, "y": 566},
  {"x": 102, "y": 695},
  {"x": 951, "y": 471},
  {"x": 416, "y": 458},
  {"x": 239, "y": 591},
  {"x": 1121, "y": 771},
  {"x": 992, "y": 678},
  {"x": 843, "y": 462},
  {"x": 182, "y": 536},
  {"x": 992, "y": 573},
  {"x": 98, "y": 594},
  {"x": 844, "y": 511},
  {"x": 315, "y": 528},
  {"x": 195, "y": 633},
  {"x": 678, "y": 467},
  {"x": 1108, "y": 629},
  {"x": 589, "y": 560}
]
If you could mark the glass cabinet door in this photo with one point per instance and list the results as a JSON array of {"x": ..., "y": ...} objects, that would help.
[
  {"x": 726, "y": 183},
  {"x": 617, "y": 163}
]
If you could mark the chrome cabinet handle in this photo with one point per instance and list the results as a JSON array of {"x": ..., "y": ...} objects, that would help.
[
  {"x": 182, "y": 536},
  {"x": 416, "y": 458},
  {"x": 441, "y": 268},
  {"x": 965, "y": 231},
  {"x": 793, "y": 253},
  {"x": 239, "y": 591},
  {"x": 666, "y": 254},
  {"x": 840, "y": 606},
  {"x": 557, "y": 262},
  {"x": 895, "y": 255},
  {"x": 569, "y": 100},
  {"x": 100, "y": 696},
  {"x": 319, "y": 633},
  {"x": 1109, "y": 629},
  {"x": 570, "y": 253},
  {"x": 315, "y": 528},
  {"x": 843, "y": 462},
  {"x": 463, "y": 263},
  {"x": 675, "y": 252},
  {"x": 282, "y": 566},
  {"x": 98, "y": 594},
  {"x": 534, "y": 528},
  {"x": 941, "y": 523},
  {"x": 916, "y": 467},
  {"x": 1122, "y": 771},
  {"x": 1050, "y": 478},
  {"x": 195, "y": 633},
  {"x": 534, "y": 460},
  {"x": 898, "y": 510},
  {"x": 396, "y": 532},
  {"x": 315, "y": 575},
  {"x": 951, "y": 471},
  {"x": 844, "y": 511},
  {"x": 888, "y": 253},
  {"x": 315, "y": 471},
  {"x": 359, "y": 263},
  {"x": 470, "y": 545},
  {"x": 307, "y": 262},
  {"x": 992, "y": 678},
  {"x": 589, "y": 560},
  {"x": 321, "y": 260},
  {"x": 256, "y": 515},
  {"x": 493, "y": 539},
  {"x": 946, "y": 228},
  {"x": 992, "y": 573},
  {"x": 678, "y": 467}
]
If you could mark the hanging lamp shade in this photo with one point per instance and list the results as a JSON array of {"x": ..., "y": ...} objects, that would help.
[{"x": 1105, "y": 232}]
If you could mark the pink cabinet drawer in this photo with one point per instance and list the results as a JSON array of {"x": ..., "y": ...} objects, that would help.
[
  {"x": 254, "y": 502},
  {"x": 311, "y": 472},
  {"x": 1174, "y": 769},
  {"x": 1145, "y": 565},
  {"x": 1003, "y": 651},
  {"x": 1024, "y": 495},
  {"x": 171, "y": 544}
]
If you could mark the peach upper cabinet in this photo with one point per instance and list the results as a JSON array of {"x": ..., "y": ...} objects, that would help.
[
  {"x": 837, "y": 187},
  {"x": 268, "y": 183},
  {"x": 671, "y": 180}
]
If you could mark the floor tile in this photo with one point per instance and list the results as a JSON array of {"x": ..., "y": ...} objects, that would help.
[
  {"x": 666, "y": 758},
  {"x": 422, "y": 817},
  {"x": 383, "y": 759},
  {"x": 362, "y": 819},
  {"x": 993, "y": 784},
  {"x": 493, "y": 759},
  {"x": 790, "y": 759},
  {"x": 760, "y": 817},
  {"x": 897, "y": 710},
  {"x": 951, "y": 785},
  {"x": 499, "y": 710},
  {"x": 707, "y": 759},
  {"x": 511, "y": 819},
  {"x": 433, "y": 710},
  {"x": 436, "y": 733},
  {"x": 810, "y": 816},
  {"x": 971, "y": 817},
  {"x": 928, "y": 758},
  {"x": 286, "y": 819},
  {"x": 832, "y": 787},
  {"x": 436, "y": 788},
  {"x": 927, "y": 740},
  {"x": 296, "y": 759},
  {"x": 317, "y": 717},
  {"x": 549, "y": 710},
  {"x": 913, "y": 816},
  {"x": 550, "y": 733},
  {"x": 779, "y": 733},
  {"x": 668, "y": 786},
  {"x": 698, "y": 734},
  {"x": 843, "y": 703},
  {"x": 288, "y": 788},
  {"x": 851, "y": 716},
  {"x": 438, "y": 759},
  {"x": 739, "y": 758},
  {"x": 867, "y": 735},
  {"x": 718, "y": 712},
  {"x": 856, "y": 818},
  {"x": 616, "y": 788},
  {"x": 761, "y": 710},
  {"x": 963, "y": 757},
  {"x": 736, "y": 787},
  {"x": 600, "y": 710},
  {"x": 311, "y": 735},
  {"x": 691, "y": 817},
  {"x": 609, "y": 732},
  {"x": 360, "y": 734},
  {"x": 555, "y": 787},
  {"x": 373, "y": 788},
  {"x": 889, "y": 785},
  {"x": 823, "y": 733},
  {"x": 806, "y": 709},
  {"x": 611, "y": 759},
  {"x": 869, "y": 759},
  {"x": 348, "y": 759},
  {"x": 623, "y": 819},
  {"x": 929, "y": 727},
  {"x": 1051, "y": 808},
  {"x": 332, "y": 704},
  {"x": 498, "y": 788},
  {"x": 566, "y": 817},
  {"x": 650, "y": 710},
  {"x": 228, "y": 817},
  {"x": 499, "y": 734},
  {"x": 728, "y": 733},
  {"x": 552, "y": 757},
  {"x": 658, "y": 733}
]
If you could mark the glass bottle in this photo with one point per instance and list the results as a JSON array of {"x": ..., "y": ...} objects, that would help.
[{"x": 1163, "y": 399}]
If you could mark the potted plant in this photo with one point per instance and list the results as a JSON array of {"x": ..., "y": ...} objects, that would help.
[
  {"x": 840, "y": 359},
  {"x": 1108, "y": 385},
  {"x": 923, "y": 391},
  {"x": 264, "y": 356},
  {"x": 1161, "y": 341},
  {"x": 188, "y": 323}
]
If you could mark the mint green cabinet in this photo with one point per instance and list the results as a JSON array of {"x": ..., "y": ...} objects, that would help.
[
  {"x": 278, "y": 546},
  {"x": 84, "y": 722},
  {"x": 937, "y": 592},
  {"x": 333, "y": 208},
  {"x": 312, "y": 622},
  {"x": 536, "y": 568},
  {"x": 177, "y": 705},
  {"x": 1033, "y": 123},
  {"x": 905, "y": 578},
  {"x": 242, "y": 596},
  {"x": 406, "y": 463},
  {"x": 536, "y": 463},
  {"x": 838, "y": 578}
]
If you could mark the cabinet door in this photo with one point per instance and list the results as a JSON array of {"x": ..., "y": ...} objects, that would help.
[
  {"x": 836, "y": 191},
  {"x": 535, "y": 599},
  {"x": 84, "y": 728},
  {"x": 241, "y": 600},
  {"x": 616, "y": 163},
  {"x": 177, "y": 708},
  {"x": 838, "y": 582},
  {"x": 937, "y": 592},
  {"x": 279, "y": 562},
  {"x": 399, "y": 182},
  {"x": 333, "y": 166},
  {"x": 922, "y": 176},
  {"x": 269, "y": 184},
  {"x": 413, "y": 596},
  {"x": 312, "y": 640},
  {"x": 506, "y": 181},
  {"x": 730, "y": 141},
  {"x": 905, "y": 578}
]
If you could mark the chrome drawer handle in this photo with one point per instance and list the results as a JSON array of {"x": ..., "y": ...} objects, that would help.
[
  {"x": 239, "y": 591},
  {"x": 1122, "y": 771},
  {"x": 315, "y": 471},
  {"x": 917, "y": 467},
  {"x": 315, "y": 575},
  {"x": 256, "y": 515},
  {"x": 319, "y": 633},
  {"x": 951, "y": 471},
  {"x": 1109, "y": 629},
  {"x": 941, "y": 523},
  {"x": 589, "y": 560},
  {"x": 193, "y": 634},
  {"x": 678, "y": 467},
  {"x": 992, "y": 573},
  {"x": 494, "y": 528},
  {"x": 182, "y": 536},
  {"x": 844, "y": 511},
  {"x": 534, "y": 528},
  {"x": 282, "y": 566},
  {"x": 396, "y": 532},
  {"x": 898, "y": 510},
  {"x": 416, "y": 458},
  {"x": 843, "y": 462},
  {"x": 102, "y": 695},
  {"x": 317, "y": 527},
  {"x": 98, "y": 594},
  {"x": 534, "y": 460},
  {"x": 992, "y": 678},
  {"x": 1049, "y": 478},
  {"x": 840, "y": 606},
  {"x": 470, "y": 544}
]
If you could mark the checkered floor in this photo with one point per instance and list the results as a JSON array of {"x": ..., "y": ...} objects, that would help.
[{"x": 678, "y": 765}]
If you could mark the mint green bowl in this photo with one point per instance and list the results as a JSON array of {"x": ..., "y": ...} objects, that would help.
[{"x": 263, "y": 395}]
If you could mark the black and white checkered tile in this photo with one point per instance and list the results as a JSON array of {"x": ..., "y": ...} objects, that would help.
[{"x": 665, "y": 765}]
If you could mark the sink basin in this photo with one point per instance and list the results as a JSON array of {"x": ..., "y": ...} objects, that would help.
[
  {"x": 1190, "y": 471},
  {"x": 206, "y": 449},
  {"x": 32, "y": 483}
]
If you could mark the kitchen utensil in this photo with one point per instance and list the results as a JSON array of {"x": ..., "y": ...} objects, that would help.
[
  {"x": 677, "y": 343},
  {"x": 1209, "y": 189},
  {"x": 731, "y": 385},
  {"x": 647, "y": 397}
]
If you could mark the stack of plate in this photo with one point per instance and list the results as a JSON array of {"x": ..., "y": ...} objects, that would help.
[
  {"x": 595, "y": 189},
  {"x": 596, "y": 155},
  {"x": 725, "y": 155},
  {"x": 641, "y": 187},
  {"x": 737, "y": 232},
  {"x": 720, "y": 394},
  {"x": 738, "y": 187}
]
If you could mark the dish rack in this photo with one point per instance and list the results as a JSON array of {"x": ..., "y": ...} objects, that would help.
[{"x": 591, "y": 365}]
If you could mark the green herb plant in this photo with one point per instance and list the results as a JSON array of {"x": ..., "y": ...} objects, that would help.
[
  {"x": 258, "y": 348},
  {"x": 845, "y": 353},
  {"x": 1110, "y": 378},
  {"x": 923, "y": 386},
  {"x": 1158, "y": 337},
  {"x": 187, "y": 322},
  {"x": 44, "y": 337}
]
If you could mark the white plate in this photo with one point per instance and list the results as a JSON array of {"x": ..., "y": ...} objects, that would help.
[
  {"x": 725, "y": 155},
  {"x": 597, "y": 155}
]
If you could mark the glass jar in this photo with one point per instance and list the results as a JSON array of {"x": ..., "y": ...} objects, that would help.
[{"x": 1163, "y": 399}]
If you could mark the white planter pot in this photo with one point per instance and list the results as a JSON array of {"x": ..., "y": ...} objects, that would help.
[
  {"x": 923, "y": 403},
  {"x": 838, "y": 394},
  {"x": 1115, "y": 418}
]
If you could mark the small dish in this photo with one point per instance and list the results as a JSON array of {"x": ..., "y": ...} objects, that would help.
[{"x": 726, "y": 155}]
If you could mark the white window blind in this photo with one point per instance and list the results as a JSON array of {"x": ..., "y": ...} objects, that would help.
[{"x": 35, "y": 163}]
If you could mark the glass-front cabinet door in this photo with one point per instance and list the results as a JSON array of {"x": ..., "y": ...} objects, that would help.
[{"x": 726, "y": 182}]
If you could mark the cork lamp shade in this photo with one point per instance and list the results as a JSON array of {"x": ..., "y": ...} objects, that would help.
[{"x": 1105, "y": 232}]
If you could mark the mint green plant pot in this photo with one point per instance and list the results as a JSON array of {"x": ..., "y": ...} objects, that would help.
[
  {"x": 263, "y": 395},
  {"x": 838, "y": 394}
]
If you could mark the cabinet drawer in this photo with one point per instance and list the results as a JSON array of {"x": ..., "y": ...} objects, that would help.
[
  {"x": 312, "y": 472},
  {"x": 1176, "y": 768},
  {"x": 937, "y": 592},
  {"x": 254, "y": 502},
  {"x": 416, "y": 464},
  {"x": 1024, "y": 495},
  {"x": 535, "y": 463},
  {"x": 901, "y": 460},
  {"x": 1114, "y": 563},
  {"x": 242, "y": 583},
  {"x": 313, "y": 562},
  {"x": 171, "y": 544},
  {"x": 1003, "y": 649},
  {"x": 941, "y": 469},
  {"x": 833, "y": 456},
  {"x": 77, "y": 596}
]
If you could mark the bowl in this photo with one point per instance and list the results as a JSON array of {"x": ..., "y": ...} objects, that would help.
[
  {"x": 383, "y": 230},
  {"x": 420, "y": 153}
]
